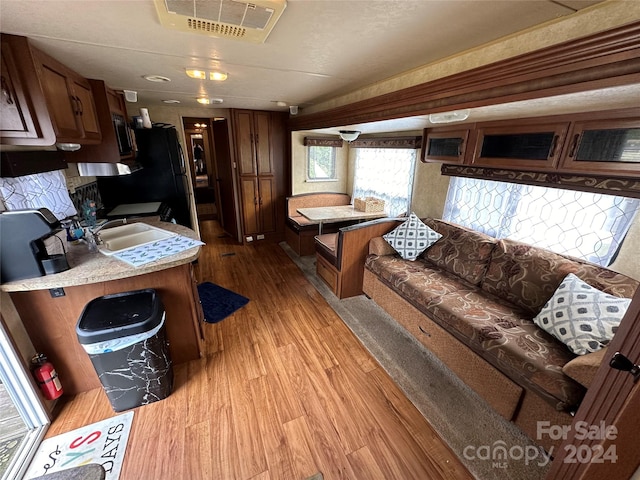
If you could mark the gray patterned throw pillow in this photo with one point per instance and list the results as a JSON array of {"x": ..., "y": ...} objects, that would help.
[
  {"x": 581, "y": 316},
  {"x": 411, "y": 238}
]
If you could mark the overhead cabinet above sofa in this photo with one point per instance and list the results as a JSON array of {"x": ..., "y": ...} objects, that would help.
[
  {"x": 600, "y": 143},
  {"x": 43, "y": 101}
]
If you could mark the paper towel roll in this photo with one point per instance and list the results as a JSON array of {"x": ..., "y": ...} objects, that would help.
[{"x": 146, "y": 121}]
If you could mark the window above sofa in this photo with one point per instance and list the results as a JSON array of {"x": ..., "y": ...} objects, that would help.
[{"x": 581, "y": 224}]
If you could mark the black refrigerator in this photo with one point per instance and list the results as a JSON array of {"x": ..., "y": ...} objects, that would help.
[{"x": 163, "y": 177}]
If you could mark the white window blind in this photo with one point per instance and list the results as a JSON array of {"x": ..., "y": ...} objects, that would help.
[
  {"x": 586, "y": 225},
  {"x": 385, "y": 173}
]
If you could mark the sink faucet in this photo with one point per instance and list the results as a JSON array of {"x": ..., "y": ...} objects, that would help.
[{"x": 95, "y": 231}]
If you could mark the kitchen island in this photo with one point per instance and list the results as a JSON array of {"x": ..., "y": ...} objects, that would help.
[{"x": 50, "y": 306}]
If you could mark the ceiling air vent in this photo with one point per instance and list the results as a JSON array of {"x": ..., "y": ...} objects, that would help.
[{"x": 251, "y": 22}]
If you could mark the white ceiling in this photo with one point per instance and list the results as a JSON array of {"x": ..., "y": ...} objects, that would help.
[{"x": 317, "y": 50}]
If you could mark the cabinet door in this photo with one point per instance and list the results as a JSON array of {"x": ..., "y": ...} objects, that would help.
[
  {"x": 86, "y": 109},
  {"x": 533, "y": 147},
  {"x": 267, "y": 204},
  {"x": 603, "y": 146},
  {"x": 250, "y": 207},
  {"x": 15, "y": 118},
  {"x": 244, "y": 142},
  {"x": 445, "y": 146},
  {"x": 262, "y": 142},
  {"x": 63, "y": 107}
]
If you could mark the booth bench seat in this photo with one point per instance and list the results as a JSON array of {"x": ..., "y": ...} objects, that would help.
[{"x": 300, "y": 231}]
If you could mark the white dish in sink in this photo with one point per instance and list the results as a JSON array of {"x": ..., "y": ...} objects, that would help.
[{"x": 118, "y": 239}]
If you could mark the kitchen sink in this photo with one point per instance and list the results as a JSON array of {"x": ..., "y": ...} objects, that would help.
[{"x": 117, "y": 239}]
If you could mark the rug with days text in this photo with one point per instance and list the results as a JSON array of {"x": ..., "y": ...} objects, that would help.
[
  {"x": 218, "y": 302},
  {"x": 102, "y": 442}
]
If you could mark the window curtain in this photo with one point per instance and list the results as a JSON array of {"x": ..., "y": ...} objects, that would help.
[
  {"x": 385, "y": 173},
  {"x": 586, "y": 225}
]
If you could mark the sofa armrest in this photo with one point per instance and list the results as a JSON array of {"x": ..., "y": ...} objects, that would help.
[
  {"x": 584, "y": 367},
  {"x": 379, "y": 246}
]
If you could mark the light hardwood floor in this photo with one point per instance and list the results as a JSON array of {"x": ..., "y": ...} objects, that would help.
[{"x": 285, "y": 391}]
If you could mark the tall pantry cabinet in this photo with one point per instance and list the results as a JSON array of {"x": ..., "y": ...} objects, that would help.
[{"x": 259, "y": 139}]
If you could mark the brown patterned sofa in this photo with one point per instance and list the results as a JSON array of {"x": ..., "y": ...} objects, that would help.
[
  {"x": 299, "y": 231},
  {"x": 471, "y": 298}
]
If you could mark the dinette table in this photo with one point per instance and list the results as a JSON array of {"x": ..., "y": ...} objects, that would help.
[{"x": 339, "y": 213}]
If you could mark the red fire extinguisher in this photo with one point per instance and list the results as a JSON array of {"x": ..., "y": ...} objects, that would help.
[{"x": 46, "y": 376}]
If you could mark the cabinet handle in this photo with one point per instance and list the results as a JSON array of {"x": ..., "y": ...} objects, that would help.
[
  {"x": 554, "y": 144},
  {"x": 460, "y": 150},
  {"x": 260, "y": 201},
  {"x": 255, "y": 200},
  {"x": 74, "y": 100},
  {"x": 80, "y": 106},
  {"x": 424, "y": 331},
  {"x": 257, "y": 139},
  {"x": 6, "y": 92},
  {"x": 574, "y": 145}
]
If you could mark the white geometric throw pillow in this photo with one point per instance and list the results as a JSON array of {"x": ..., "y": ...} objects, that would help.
[
  {"x": 582, "y": 317},
  {"x": 411, "y": 238}
]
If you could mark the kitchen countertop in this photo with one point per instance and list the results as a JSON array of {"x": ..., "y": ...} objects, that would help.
[{"x": 95, "y": 267}]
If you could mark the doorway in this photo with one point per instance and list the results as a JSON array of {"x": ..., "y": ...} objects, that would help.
[
  {"x": 199, "y": 150},
  {"x": 213, "y": 175},
  {"x": 24, "y": 419}
]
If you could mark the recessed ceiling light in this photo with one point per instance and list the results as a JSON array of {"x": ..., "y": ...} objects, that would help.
[
  {"x": 156, "y": 78},
  {"x": 216, "y": 100},
  {"x": 171, "y": 101}
]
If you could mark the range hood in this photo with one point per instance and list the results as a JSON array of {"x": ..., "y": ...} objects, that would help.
[{"x": 107, "y": 169}]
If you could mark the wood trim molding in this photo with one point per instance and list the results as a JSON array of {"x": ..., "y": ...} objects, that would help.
[
  {"x": 626, "y": 187},
  {"x": 387, "y": 142},
  {"x": 322, "y": 142},
  {"x": 605, "y": 59}
]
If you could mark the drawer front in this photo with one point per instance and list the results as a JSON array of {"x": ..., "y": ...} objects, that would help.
[{"x": 327, "y": 273}]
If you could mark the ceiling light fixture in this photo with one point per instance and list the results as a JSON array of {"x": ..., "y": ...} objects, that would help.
[
  {"x": 215, "y": 75},
  {"x": 349, "y": 135},
  {"x": 171, "y": 101},
  {"x": 207, "y": 101},
  {"x": 449, "y": 117},
  {"x": 218, "y": 76},
  {"x": 156, "y": 78},
  {"x": 193, "y": 73}
]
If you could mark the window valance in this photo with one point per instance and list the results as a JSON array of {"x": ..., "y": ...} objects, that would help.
[
  {"x": 626, "y": 187},
  {"x": 388, "y": 142},
  {"x": 322, "y": 142}
]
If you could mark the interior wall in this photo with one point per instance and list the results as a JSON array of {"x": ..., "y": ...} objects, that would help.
[
  {"x": 597, "y": 18},
  {"x": 299, "y": 182}
]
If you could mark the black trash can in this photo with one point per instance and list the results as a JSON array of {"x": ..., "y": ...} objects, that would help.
[{"x": 125, "y": 337}]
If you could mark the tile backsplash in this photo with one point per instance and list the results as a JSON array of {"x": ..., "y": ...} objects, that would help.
[{"x": 88, "y": 191}]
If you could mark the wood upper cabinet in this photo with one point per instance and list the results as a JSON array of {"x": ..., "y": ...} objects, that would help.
[
  {"x": 446, "y": 145},
  {"x": 609, "y": 146},
  {"x": 253, "y": 142},
  {"x": 534, "y": 146},
  {"x": 69, "y": 100},
  {"x": 117, "y": 143},
  {"x": 24, "y": 119}
]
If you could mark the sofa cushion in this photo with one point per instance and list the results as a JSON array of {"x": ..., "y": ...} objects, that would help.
[
  {"x": 527, "y": 276},
  {"x": 580, "y": 316},
  {"x": 411, "y": 237},
  {"x": 419, "y": 282},
  {"x": 302, "y": 221},
  {"x": 584, "y": 367},
  {"x": 506, "y": 337},
  {"x": 461, "y": 251}
]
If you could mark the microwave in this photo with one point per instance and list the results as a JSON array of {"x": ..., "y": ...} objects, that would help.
[{"x": 123, "y": 134}]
